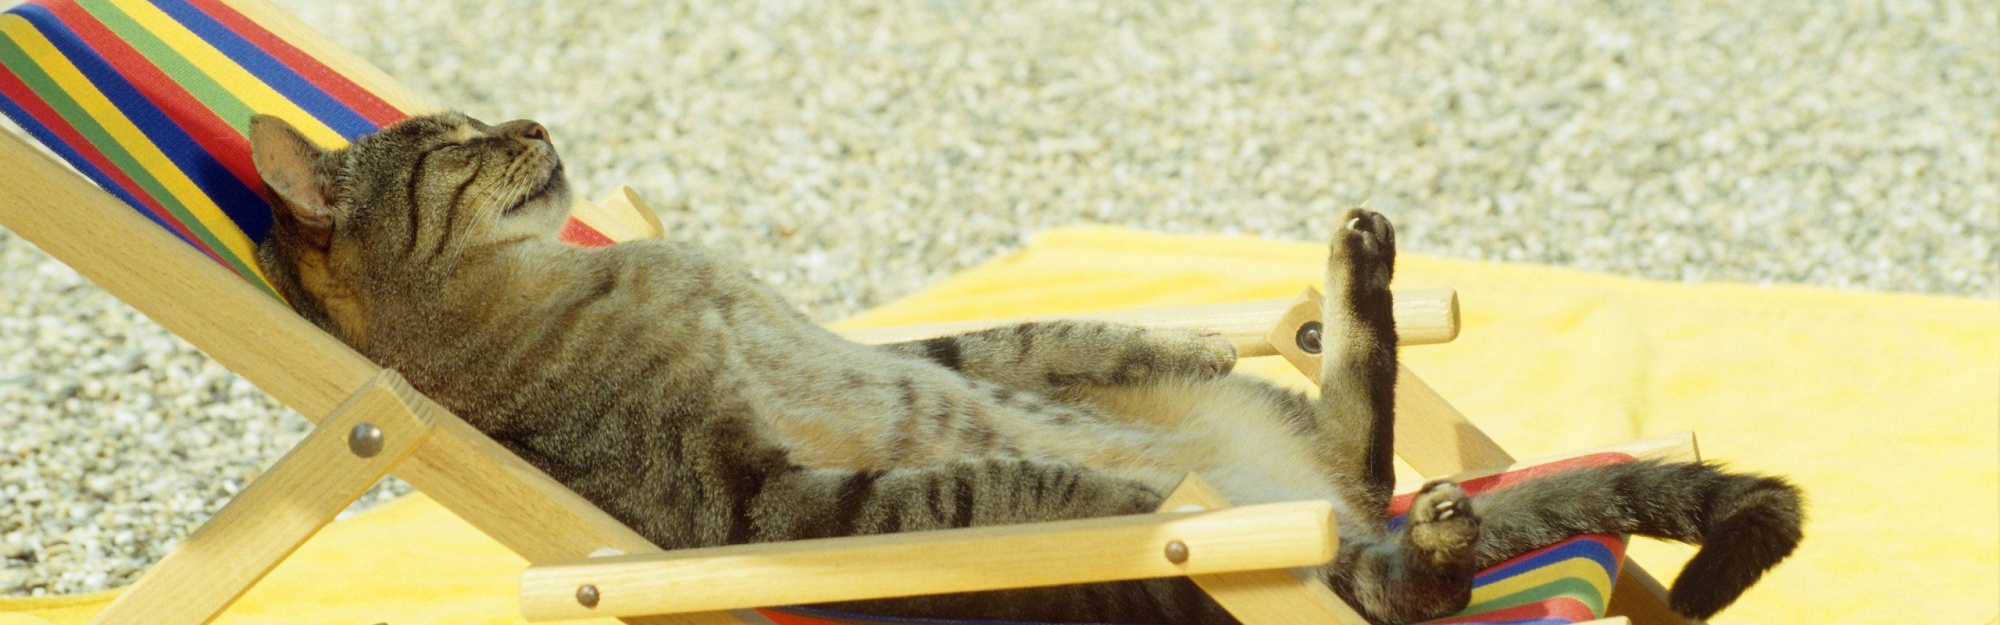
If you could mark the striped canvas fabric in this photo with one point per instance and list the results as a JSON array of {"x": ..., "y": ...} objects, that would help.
[{"x": 152, "y": 99}]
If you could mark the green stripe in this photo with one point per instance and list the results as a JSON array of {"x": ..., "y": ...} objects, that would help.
[
  {"x": 184, "y": 72},
  {"x": 196, "y": 83},
  {"x": 52, "y": 94},
  {"x": 1578, "y": 589}
]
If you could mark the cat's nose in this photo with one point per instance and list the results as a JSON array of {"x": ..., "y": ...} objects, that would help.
[{"x": 525, "y": 129}]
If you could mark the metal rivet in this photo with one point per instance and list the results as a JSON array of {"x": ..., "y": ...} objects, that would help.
[
  {"x": 586, "y": 595},
  {"x": 1177, "y": 552},
  {"x": 1309, "y": 337},
  {"x": 365, "y": 440}
]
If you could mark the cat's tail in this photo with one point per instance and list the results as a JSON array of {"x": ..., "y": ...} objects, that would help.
[{"x": 1745, "y": 524}]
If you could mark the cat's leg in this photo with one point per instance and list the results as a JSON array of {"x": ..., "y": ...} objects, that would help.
[
  {"x": 1052, "y": 356},
  {"x": 1422, "y": 572},
  {"x": 1358, "y": 361}
]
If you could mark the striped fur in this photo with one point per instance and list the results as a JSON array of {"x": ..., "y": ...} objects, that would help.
[{"x": 672, "y": 389}]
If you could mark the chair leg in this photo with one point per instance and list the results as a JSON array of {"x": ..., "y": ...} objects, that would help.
[
  {"x": 344, "y": 455},
  {"x": 1437, "y": 440},
  {"x": 1266, "y": 597}
]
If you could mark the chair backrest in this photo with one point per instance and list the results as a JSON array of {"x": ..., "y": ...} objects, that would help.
[
  {"x": 152, "y": 99},
  {"x": 251, "y": 334}
]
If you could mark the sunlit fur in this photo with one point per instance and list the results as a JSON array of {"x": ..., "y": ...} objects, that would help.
[{"x": 665, "y": 384}]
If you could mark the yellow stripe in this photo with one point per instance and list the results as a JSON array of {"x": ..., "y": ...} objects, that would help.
[
  {"x": 240, "y": 82},
  {"x": 1581, "y": 568},
  {"x": 134, "y": 141}
]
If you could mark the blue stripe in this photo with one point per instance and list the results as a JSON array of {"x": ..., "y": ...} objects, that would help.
[
  {"x": 1588, "y": 548},
  {"x": 275, "y": 73},
  {"x": 76, "y": 159},
  {"x": 243, "y": 205}
]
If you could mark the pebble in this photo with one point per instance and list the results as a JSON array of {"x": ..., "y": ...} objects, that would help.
[{"x": 855, "y": 152}]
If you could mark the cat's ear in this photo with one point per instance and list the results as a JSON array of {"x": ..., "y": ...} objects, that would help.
[{"x": 290, "y": 165}]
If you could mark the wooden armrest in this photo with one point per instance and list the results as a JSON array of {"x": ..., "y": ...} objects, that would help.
[
  {"x": 1423, "y": 317},
  {"x": 1674, "y": 447},
  {"x": 622, "y": 216},
  {"x": 1268, "y": 536}
]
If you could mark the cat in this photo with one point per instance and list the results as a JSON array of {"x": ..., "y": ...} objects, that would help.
[{"x": 669, "y": 387}]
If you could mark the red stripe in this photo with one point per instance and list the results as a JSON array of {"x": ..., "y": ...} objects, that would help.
[
  {"x": 787, "y": 618},
  {"x": 217, "y": 136},
  {"x": 12, "y": 87},
  {"x": 1401, "y": 503},
  {"x": 1566, "y": 608},
  {"x": 582, "y": 235},
  {"x": 363, "y": 101}
]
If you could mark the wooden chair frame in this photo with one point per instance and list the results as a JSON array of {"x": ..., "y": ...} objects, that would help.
[{"x": 369, "y": 422}]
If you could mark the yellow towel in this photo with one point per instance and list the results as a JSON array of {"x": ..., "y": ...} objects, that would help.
[{"x": 1885, "y": 408}]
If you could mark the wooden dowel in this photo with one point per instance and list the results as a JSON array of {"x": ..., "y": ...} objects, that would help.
[
  {"x": 922, "y": 563},
  {"x": 1423, "y": 317},
  {"x": 1267, "y": 596}
]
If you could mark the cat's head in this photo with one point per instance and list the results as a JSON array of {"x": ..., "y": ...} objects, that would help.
[{"x": 410, "y": 199}]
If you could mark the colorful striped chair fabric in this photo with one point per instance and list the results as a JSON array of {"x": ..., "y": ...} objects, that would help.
[{"x": 151, "y": 99}]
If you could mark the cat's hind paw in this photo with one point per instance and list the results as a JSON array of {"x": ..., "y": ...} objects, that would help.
[
  {"x": 1441, "y": 526},
  {"x": 1363, "y": 251}
]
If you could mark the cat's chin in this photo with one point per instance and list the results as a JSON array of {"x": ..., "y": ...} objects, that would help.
[
  {"x": 546, "y": 207},
  {"x": 552, "y": 192}
]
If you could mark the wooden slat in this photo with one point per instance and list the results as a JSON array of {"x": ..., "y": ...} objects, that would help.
[
  {"x": 1262, "y": 597},
  {"x": 1673, "y": 447},
  {"x": 922, "y": 563},
  {"x": 1423, "y": 317},
  {"x": 274, "y": 515},
  {"x": 622, "y": 215},
  {"x": 1434, "y": 437}
]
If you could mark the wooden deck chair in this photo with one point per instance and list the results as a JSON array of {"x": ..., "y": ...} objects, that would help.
[{"x": 148, "y": 99}]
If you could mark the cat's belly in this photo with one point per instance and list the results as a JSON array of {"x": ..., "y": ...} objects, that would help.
[{"x": 1211, "y": 430}]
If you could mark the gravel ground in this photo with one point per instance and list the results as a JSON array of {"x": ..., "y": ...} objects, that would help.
[{"x": 854, "y": 152}]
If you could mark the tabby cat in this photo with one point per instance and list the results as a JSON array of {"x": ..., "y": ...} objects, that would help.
[{"x": 666, "y": 385}]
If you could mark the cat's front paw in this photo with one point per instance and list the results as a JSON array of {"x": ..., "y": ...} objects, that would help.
[
  {"x": 1441, "y": 526},
  {"x": 1363, "y": 251}
]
